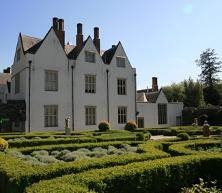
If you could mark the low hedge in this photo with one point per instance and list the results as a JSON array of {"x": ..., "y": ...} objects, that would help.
[
  {"x": 159, "y": 176},
  {"x": 30, "y": 143},
  {"x": 73, "y": 147},
  {"x": 184, "y": 148},
  {"x": 15, "y": 175}
]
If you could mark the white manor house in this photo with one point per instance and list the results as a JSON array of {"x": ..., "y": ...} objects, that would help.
[{"x": 82, "y": 82}]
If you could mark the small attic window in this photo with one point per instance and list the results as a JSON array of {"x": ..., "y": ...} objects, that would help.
[
  {"x": 90, "y": 57},
  {"x": 120, "y": 62},
  {"x": 18, "y": 54}
]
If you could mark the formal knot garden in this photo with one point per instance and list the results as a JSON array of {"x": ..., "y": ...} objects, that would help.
[{"x": 111, "y": 161}]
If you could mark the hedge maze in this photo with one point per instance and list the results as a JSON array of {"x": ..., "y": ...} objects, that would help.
[{"x": 154, "y": 166}]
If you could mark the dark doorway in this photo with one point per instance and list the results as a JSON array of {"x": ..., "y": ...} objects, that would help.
[{"x": 140, "y": 122}]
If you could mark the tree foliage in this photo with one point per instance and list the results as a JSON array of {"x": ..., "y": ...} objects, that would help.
[
  {"x": 210, "y": 66},
  {"x": 193, "y": 93}
]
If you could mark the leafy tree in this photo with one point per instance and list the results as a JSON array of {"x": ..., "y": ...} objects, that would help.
[
  {"x": 174, "y": 92},
  {"x": 210, "y": 66},
  {"x": 193, "y": 93}
]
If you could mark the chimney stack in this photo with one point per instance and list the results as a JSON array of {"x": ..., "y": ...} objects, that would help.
[
  {"x": 55, "y": 21},
  {"x": 154, "y": 84},
  {"x": 96, "y": 39},
  {"x": 79, "y": 36},
  {"x": 58, "y": 26}
]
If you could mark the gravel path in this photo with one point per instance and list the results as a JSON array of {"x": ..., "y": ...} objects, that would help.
[{"x": 156, "y": 137}]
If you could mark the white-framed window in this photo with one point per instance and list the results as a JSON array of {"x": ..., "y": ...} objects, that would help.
[
  {"x": 51, "y": 115},
  {"x": 120, "y": 61},
  {"x": 51, "y": 80},
  {"x": 122, "y": 115},
  {"x": 18, "y": 54},
  {"x": 121, "y": 86},
  {"x": 90, "y": 56},
  {"x": 17, "y": 83},
  {"x": 90, "y": 115},
  {"x": 162, "y": 113},
  {"x": 90, "y": 83}
]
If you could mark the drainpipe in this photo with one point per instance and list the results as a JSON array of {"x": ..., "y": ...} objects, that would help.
[
  {"x": 107, "y": 85},
  {"x": 135, "y": 98},
  {"x": 29, "y": 104},
  {"x": 72, "y": 67}
]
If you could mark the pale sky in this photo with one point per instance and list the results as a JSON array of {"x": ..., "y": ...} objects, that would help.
[{"x": 161, "y": 38}]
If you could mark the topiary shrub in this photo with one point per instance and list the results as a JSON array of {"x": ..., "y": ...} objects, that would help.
[
  {"x": 147, "y": 136},
  {"x": 140, "y": 137},
  {"x": 3, "y": 145},
  {"x": 131, "y": 126},
  {"x": 183, "y": 136},
  {"x": 104, "y": 126}
]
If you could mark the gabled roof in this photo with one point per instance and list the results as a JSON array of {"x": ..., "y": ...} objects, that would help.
[
  {"x": 69, "y": 48},
  {"x": 73, "y": 54},
  {"x": 141, "y": 97},
  {"x": 29, "y": 42},
  {"x": 4, "y": 78},
  {"x": 152, "y": 96},
  {"x": 108, "y": 54}
]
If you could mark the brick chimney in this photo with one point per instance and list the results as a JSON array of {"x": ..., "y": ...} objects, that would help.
[
  {"x": 96, "y": 39},
  {"x": 79, "y": 36},
  {"x": 154, "y": 84},
  {"x": 55, "y": 24},
  {"x": 58, "y": 26}
]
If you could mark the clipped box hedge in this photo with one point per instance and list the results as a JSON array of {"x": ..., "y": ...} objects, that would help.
[
  {"x": 15, "y": 175},
  {"x": 158, "y": 176},
  {"x": 185, "y": 148}
]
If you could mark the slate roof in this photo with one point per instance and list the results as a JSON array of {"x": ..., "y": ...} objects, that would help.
[
  {"x": 31, "y": 45},
  {"x": 141, "y": 97},
  {"x": 108, "y": 55},
  {"x": 28, "y": 42},
  {"x": 152, "y": 96}
]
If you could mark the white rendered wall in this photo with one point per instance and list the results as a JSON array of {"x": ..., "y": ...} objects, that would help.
[
  {"x": 82, "y": 99},
  {"x": 116, "y": 100},
  {"x": 50, "y": 56}
]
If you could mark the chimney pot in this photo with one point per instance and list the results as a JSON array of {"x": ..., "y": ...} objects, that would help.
[
  {"x": 113, "y": 46},
  {"x": 55, "y": 22},
  {"x": 79, "y": 28},
  {"x": 96, "y": 39},
  {"x": 96, "y": 33},
  {"x": 154, "y": 84},
  {"x": 79, "y": 36},
  {"x": 61, "y": 24}
]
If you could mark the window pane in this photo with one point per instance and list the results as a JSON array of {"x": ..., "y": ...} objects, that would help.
[
  {"x": 120, "y": 61},
  {"x": 90, "y": 57},
  {"x": 51, "y": 115},
  {"x": 90, "y": 83},
  {"x": 121, "y": 86},
  {"x": 51, "y": 80},
  {"x": 90, "y": 115},
  {"x": 162, "y": 113},
  {"x": 122, "y": 115}
]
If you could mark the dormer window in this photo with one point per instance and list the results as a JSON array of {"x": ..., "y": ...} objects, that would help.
[
  {"x": 18, "y": 54},
  {"x": 90, "y": 57},
  {"x": 120, "y": 62}
]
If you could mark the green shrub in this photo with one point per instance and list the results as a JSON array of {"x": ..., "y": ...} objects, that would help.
[
  {"x": 130, "y": 126},
  {"x": 202, "y": 187},
  {"x": 183, "y": 136},
  {"x": 104, "y": 126},
  {"x": 157, "y": 176},
  {"x": 3, "y": 145},
  {"x": 21, "y": 175},
  {"x": 143, "y": 136},
  {"x": 140, "y": 137}
]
